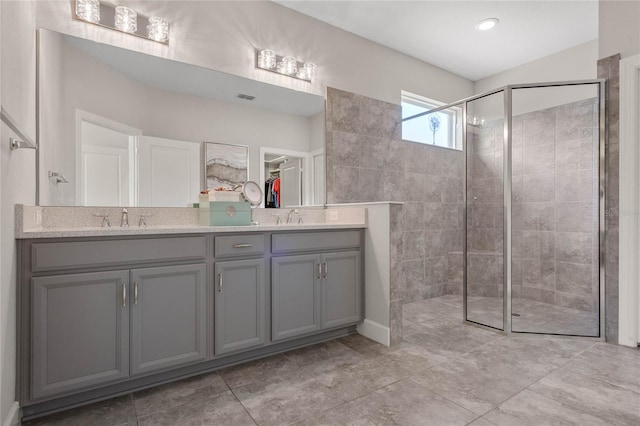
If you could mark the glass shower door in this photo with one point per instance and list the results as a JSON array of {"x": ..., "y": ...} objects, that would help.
[
  {"x": 483, "y": 255},
  {"x": 555, "y": 202}
]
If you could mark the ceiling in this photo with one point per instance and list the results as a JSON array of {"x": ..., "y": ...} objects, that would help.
[{"x": 443, "y": 33}]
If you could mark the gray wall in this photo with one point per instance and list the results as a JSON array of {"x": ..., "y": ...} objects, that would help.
[{"x": 368, "y": 161}]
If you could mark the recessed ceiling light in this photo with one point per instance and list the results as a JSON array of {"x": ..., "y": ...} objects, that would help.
[{"x": 487, "y": 24}]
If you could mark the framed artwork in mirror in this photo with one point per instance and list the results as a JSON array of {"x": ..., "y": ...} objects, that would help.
[{"x": 225, "y": 165}]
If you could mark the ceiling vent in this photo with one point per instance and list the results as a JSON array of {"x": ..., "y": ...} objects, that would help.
[{"x": 246, "y": 97}]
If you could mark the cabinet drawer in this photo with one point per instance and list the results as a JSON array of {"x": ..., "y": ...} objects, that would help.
[
  {"x": 239, "y": 245},
  {"x": 86, "y": 254},
  {"x": 287, "y": 243}
]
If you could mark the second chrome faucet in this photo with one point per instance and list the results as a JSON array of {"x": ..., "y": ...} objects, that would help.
[
  {"x": 290, "y": 216},
  {"x": 124, "y": 221}
]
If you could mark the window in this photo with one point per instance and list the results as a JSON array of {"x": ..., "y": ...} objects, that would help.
[{"x": 441, "y": 128}]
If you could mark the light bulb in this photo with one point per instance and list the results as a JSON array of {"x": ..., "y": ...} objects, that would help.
[{"x": 487, "y": 24}]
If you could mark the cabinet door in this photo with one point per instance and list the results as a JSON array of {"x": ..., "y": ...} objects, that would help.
[
  {"x": 295, "y": 293},
  {"x": 240, "y": 299},
  {"x": 80, "y": 331},
  {"x": 168, "y": 317},
  {"x": 341, "y": 289}
]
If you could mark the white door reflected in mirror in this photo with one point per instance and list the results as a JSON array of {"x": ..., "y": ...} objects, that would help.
[
  {"x": 121, "y": 167},
  {"x": 106, "y": 161}
]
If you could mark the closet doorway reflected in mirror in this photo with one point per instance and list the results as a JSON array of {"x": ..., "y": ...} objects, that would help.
[{"x": 285, "y": 179}]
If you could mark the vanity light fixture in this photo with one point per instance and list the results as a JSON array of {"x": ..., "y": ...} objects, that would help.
[
  {"x": 267, "y": 59},
  {"x": 123, "y": 19},
  {"x": 288, "y": 65},
  {"x": 126, "y": 19},
  {"x": 88, "y": 10},
  {"x": 158, "y": 29},
  {"x": 487, "y": 24}
]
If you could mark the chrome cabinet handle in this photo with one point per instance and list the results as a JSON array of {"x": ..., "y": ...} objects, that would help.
[
  {"x": 219, "y": 283},
  {"x": 242, "y": 245},
  {"x": 326, "y": 270},
  {"x": 124, "y": 294},
  {"x": 135, "y": 292},
  {"x": 319, "y": 270}
]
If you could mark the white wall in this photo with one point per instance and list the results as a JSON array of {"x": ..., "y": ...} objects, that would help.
[
  {"x": 317, "y": 131},
  {"x": 17, "y": 172},
  {"x": 51, "y": 88},
  {"x": 184, "y": 117},
  {"x": 576, "y": 63},
  {"x": 223, "y": 35},
  {"x": 619, "y": 28}
]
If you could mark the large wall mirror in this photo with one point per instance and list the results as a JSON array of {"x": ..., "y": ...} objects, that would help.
[{"x": 122, "y": 128}]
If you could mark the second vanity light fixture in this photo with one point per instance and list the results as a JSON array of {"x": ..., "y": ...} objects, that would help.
[
  {"x": 122, "y": 18},
  {"x": 288, "y": 65}
]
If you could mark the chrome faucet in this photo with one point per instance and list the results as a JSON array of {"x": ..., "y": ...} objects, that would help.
[
  {"x": 105, "y": 220},
  {"x": 124, "y": 221},
  {"x": 142, "y": 222},
  {"x": 290, "y": 216}
]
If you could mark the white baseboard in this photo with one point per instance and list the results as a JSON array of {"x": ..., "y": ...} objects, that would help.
[
  {"x": 375, "y": 331},
  {"x": 13, "y": 417}
]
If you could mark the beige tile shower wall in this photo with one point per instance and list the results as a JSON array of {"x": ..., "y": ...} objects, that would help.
[
  {"x": 555, "y": 188},
  {"x": 368, "y": 161}
]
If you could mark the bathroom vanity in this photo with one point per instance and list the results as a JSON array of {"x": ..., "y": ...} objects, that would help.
[{"x": 102, "y": 315}]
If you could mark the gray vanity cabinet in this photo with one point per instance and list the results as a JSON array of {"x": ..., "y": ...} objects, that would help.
[
  {"x": 168, "y": 317},
  {"x": 100, "y": 317},
  {"x": 315, "y": 292},
  {"x": 341, "y": 289},
  {"x": 80, "y": 331},
  {"x": 240, "y": 305},
  {"x": 295, "y": 296}
]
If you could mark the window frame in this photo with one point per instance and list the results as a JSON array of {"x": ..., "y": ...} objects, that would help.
[{"x": 455, "y": 114}]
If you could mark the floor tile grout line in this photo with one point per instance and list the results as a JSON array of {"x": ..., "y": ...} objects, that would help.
[
  {"x": 447, "y": 399},
  {"x": 246, "y": 410},
  {"x": 556, "y": 368},
  {"x": 596, "y": 379},
  {"x": 487, "y": 420}
]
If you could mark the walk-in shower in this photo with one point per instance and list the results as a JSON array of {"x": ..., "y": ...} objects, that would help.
[{"x": 534, "y": 207}]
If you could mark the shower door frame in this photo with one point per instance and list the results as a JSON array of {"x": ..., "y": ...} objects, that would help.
[{"x": 507, "y": 93}]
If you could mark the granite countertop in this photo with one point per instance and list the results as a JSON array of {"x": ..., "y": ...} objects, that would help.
[{"x": 177, "y": 229}]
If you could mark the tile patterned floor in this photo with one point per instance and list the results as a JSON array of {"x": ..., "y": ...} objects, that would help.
[
  {"x": 534, "y": 316},
  {"x": 444, "y": 373}
]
